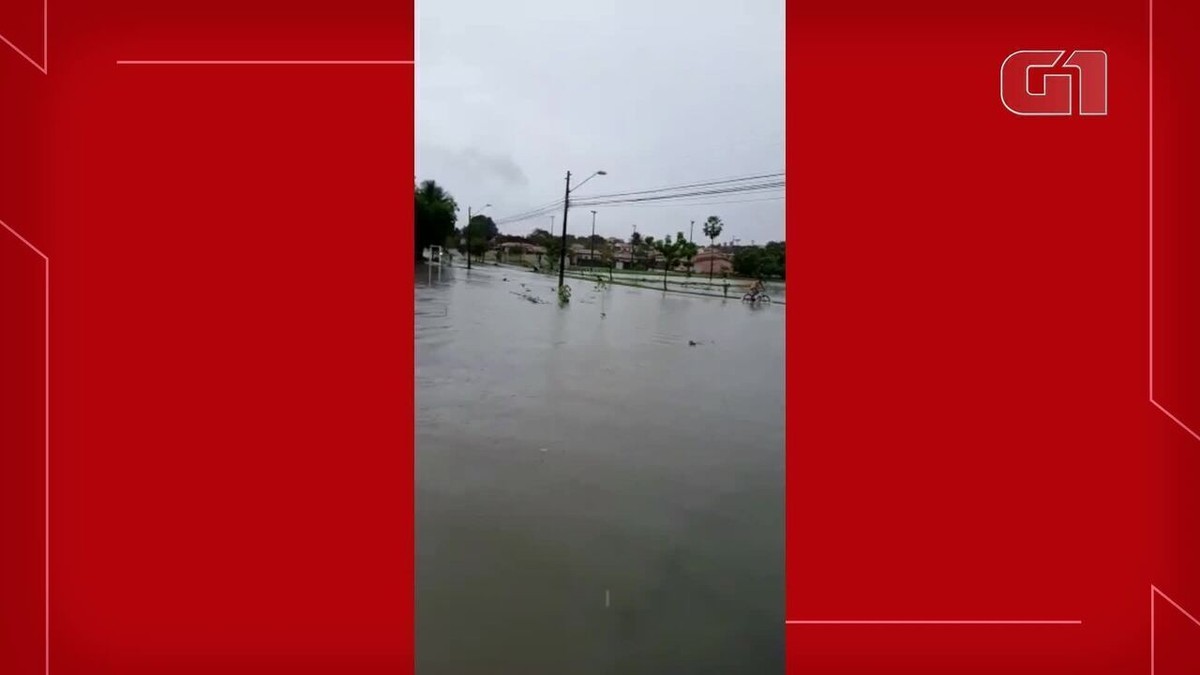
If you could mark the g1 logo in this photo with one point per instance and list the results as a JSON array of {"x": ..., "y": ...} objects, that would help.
[{"x": 1040, "y": 83}]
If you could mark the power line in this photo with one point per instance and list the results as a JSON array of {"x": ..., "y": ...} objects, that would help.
[
  {"x": 695, "y": 193},
  {"x": 707, "y": 183},
  {"x": 539, "y": 209},
  {"x": 550, "y": 208},
  {"x": 672, "y": 194},
  {"x": 690, "y": 203}
]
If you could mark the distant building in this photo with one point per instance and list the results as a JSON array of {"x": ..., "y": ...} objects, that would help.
[
  {"x": 716, "y": 261},
  {"x": 584, "y": 255},
  {"x": 519, "y": 251}
]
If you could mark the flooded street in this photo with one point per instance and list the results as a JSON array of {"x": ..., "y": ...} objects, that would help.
[{"x": 595, "y": 494}]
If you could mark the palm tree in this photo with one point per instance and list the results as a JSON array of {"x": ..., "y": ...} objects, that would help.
[
  {"x": 712, "y": 230},
  {"x": 435, "y": 214}
]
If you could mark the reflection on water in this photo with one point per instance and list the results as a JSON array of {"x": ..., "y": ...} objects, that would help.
[{"x": 569, "y": 456}]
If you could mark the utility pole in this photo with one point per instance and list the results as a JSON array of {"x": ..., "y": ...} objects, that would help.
[
  {"x": 467, "y": 236},
  {"x": 466, "y": 233},
  {"x": 592, "y": 243},
  {"x": 691, "y": 232},
  {"x": 562, "y": 254}
]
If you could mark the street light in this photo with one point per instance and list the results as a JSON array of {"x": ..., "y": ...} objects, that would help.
[
  {"x": 562, "y": 254},
  {"x": 467, "y": 232},
  {"x": 592, "y": 243}
]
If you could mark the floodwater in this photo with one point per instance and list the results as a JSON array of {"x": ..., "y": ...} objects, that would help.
[{"x": 594, "y": 494}]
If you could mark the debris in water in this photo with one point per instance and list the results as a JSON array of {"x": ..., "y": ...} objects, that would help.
[
  {"x": 606, "y": 603},
  {"x": 545, "y": 449},
  {"x": 691, "y": 343},
  {"x": 532, "y": 298}
]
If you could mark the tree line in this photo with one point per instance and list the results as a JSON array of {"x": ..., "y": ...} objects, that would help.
[
  {"x": 435, "y": 216},
  {"x": 767, "y": 261},
  {"x": 437, "y": 212}
]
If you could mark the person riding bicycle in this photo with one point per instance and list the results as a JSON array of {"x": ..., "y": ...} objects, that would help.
[{"x": 757, "y": 288}]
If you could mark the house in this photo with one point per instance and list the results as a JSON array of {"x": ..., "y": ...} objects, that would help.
[
  {"x": 514, "y": 251},
  {"x": 622, "y": 253},
  {"x": 581, "y": 255},
  {"x": 585, "y": 255},
  {"x": 714, "y": 262}
]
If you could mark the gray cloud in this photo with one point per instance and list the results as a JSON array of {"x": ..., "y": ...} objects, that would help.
[
  {"x": 510, "y": 95},
  {"x": 494, "y": 170}
]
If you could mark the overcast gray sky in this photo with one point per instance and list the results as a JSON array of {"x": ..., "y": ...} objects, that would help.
[{"x": 512, "y": 94}]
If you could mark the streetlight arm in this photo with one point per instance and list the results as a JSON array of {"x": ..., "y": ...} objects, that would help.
[{"x": 598, "y": 173}]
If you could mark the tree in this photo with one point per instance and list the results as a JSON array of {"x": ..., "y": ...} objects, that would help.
[
  {"x": 480, "y": 231},
  {"x": 687, "y": 252},
  {"x": 483, "y": 226},
  {"x": 435, "y": 213},
  {"x": 553, "y": 248},
  {"x": 672, "y": 250},
  {"x": 768, "y": 261},
  {"x": 606, "y": 256},
  {"x": 546, "y": 240},
  {"x": 650, "y": 248},
  {"x": 637, "y": 249},
  {"x": 460, "y": 240},
  {"x": 712, "y": 229},
  {"x": 748, "y": 262},
  {"x": 452, "y": 242},
  {"x": 777, "y": 252}
]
